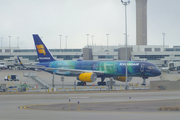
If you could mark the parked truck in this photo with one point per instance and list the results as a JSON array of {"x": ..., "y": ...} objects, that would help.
[{"x": 11, "y": 78}]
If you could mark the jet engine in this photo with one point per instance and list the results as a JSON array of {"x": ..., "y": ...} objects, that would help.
[
  {"x": 123, "y": 79},
  {"x": 87, "y": 77}
]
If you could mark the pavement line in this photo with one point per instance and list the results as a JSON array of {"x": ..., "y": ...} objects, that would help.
[{"x": 79, "y": 97}]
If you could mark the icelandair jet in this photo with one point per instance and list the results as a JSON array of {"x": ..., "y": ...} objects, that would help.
[{"x": 89, "y": 71}]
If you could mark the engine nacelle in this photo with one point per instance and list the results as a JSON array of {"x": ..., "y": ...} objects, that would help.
[
  {"x": 123, "y": 79},
  {"x": 87, "y": 77}
]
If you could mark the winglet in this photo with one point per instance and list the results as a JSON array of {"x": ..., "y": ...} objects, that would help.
[{"x": 43, "y": 53}]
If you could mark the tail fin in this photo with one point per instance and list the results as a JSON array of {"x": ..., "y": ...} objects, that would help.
[
  {"x": 20, "y": 61},
  {"x": 43, "y": 53}
]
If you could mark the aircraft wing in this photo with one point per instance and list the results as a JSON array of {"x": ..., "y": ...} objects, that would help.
[
  {"x": 73, "y": 71},
  {"x": 59, "y": 70},
  {"x": 35, "y": 66},
  {"x": 29, "y": 65}
]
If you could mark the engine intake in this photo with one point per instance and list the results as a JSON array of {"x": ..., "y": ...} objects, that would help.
[{"x": 87, "y": 77}]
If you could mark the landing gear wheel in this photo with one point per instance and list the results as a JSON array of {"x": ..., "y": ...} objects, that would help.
[
  {"x": 101, "y": 83},
  {"x": 104, "y": 83},
  {"x": 81, "y": 83},
  {"x": 84, "y": 84},
  {"x": 144, "y": 82}
]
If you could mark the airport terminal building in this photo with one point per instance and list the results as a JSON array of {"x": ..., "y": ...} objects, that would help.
[{"x": 156, "y": 54}]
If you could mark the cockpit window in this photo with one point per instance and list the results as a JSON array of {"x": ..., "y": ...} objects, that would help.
[{"x": 150, "y": 67}]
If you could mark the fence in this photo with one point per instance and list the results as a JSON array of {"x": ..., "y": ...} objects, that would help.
[{"x": 64, "y": 88}]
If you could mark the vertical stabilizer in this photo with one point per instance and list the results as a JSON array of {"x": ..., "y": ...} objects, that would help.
[
  {"x": 20, "y": 61},
  {"x": 43, "y": 53}
]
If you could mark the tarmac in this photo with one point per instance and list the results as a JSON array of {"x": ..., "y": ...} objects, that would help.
[
  {"x": 101, "y": 105},
  {"x": 96, "y": 106}
]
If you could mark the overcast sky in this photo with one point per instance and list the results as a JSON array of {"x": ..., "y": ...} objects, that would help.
[{"x": 76, "y": 18}]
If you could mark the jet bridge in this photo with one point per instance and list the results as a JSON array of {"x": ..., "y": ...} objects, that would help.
[{"x": 32, "y": 76}]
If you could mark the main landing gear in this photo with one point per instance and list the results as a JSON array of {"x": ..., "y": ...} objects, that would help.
[
  {"x": 102, "y": 81},
  {"x": 81, "y": 83},
  {"x": 144, "y": 81}
]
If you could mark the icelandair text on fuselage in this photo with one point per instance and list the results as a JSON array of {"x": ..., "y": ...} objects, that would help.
[
  {"x": 46, "y": 58},
  {"x": 129, "y": 64}
]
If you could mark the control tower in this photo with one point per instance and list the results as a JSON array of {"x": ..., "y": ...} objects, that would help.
[{"x": 141, "y": 22}]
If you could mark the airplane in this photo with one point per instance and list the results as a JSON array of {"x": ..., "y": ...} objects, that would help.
[
  {"x": 89, "y": 71},
  {"x": 31, "y": 65},
  {"x": 3, "y": 66},
  {"x": 25, "y": 65}
]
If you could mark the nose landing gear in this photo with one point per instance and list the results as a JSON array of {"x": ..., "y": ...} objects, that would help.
[{"x": 144, "y": 81}]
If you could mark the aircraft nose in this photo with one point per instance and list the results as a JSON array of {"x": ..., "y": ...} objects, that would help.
[{"x": 157, "y": 72}]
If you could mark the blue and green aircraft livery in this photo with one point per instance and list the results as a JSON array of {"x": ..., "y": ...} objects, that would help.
[
  {"x": 109, "y": 68},
  {"x": 101, "y": 69}
]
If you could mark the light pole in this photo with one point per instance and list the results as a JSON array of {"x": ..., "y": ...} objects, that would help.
[
  {"x": 1, "y": 41},
  {"x": 66, "y": 41},
  {"x": 163, "y": 40},
  {"x": 128, "y": 40},
  {"x": 60, "y": 41},
  {"x": 125, "y": 3},
  {"x": 17, "y": 41},
  {"x": 107, "y": 41},
  {"x": 125, "y": 39},
  {"x": 92, "y": 39},
  {"x": 87, "y": 39},
  {"x": 9, "y": 43}
]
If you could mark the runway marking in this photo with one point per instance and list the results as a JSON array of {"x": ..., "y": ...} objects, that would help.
[{"x": 78, "y": 97}]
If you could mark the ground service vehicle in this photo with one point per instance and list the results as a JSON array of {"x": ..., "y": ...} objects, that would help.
[{"x": 11, "y": 78}]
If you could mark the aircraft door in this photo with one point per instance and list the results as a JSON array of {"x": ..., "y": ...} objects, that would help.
[
  {"x": 115, "y": 66},
  {"x": 95, "y": 66},
  {"x": 142, "y": 67},
  {"x": 50, "y": 65}
]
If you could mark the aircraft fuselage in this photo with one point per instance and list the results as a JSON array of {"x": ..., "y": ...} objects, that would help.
[{"x": 109, "y": 68}]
